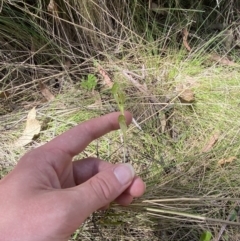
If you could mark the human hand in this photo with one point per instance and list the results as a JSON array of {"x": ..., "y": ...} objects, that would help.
[{"x": 47, "y": 196}]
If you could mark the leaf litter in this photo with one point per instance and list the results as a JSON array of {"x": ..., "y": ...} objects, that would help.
[
  {"x": 212, "y": 141},
  {"x": 32, "y": 129},
  {"x": 224, "y": 161},
  {"x": 46, "y": 92}
]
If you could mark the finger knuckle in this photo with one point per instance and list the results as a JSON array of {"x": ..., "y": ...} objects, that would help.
[{"x": 102, "y": 189}]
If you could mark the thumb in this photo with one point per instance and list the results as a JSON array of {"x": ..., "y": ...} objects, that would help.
[{"x": 102, "y": 189}]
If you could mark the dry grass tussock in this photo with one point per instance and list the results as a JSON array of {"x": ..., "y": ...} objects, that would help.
[{"x": 184, "y": 100}]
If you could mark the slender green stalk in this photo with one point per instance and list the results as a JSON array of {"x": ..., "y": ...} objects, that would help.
[{"x": 120, "y": 99}]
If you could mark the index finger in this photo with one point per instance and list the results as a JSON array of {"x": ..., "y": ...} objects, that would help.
[{"x": 75, "y": 140}]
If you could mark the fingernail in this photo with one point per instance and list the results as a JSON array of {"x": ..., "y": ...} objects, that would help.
[{"x": 124, "y": 173}]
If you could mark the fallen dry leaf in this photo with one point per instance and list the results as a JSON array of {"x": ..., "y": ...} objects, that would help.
[
  {"x": 212, "y": 141},
  {"x": 46, "y": 92},
  {"x": 185, "y": 93},
  {"x": 53, "y": 8},
  {"x": 32, "y": 128},
  {"x": 228, "y": 160},
  {"x": 187, "y": 96},
  {"x": 185, "y": 39},
  {"x": 106, "y": 79}
]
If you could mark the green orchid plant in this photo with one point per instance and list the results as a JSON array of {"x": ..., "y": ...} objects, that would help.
[{"x": 119, "y": 97}]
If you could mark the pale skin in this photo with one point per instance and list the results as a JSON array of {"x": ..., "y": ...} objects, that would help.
[{"x": 48, "y": 196}]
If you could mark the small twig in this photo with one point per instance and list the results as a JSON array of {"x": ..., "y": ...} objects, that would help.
[
  {"x": 124, "y": 146},
  {"x": 136, "y": 75},
  {"x": 193, "y": 217},
  {"x": 136, "y": 124}
]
